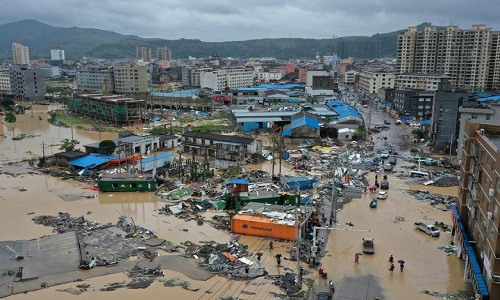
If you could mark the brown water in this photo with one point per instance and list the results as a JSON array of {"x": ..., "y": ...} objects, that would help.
[{"x": 427, "y": 267}]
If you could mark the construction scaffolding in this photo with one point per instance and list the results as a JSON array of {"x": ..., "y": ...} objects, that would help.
[{"x": 114, "y": 109}]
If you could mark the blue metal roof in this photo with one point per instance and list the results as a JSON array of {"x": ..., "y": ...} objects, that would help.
[
  {"x": 238, "y": 181},
  {"x": 491, "y": 98},
  {"x": 476, "y": 270},
  {"x": 156, "y": 157},
  {"x": 342, "y": 109},
  {"x": 272, "y": 87},
  {"x": 304, "y": 120},
  {"x": 425, "y": 122},
  {"x": 182, "y": 93},
  {"x": 92, "y": 160}
]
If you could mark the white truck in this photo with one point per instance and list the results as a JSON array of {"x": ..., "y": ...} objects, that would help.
[{"x": 430, "y": 229}]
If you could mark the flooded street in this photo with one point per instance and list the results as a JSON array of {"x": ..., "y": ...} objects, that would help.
[{"x": 390, "y": 224}]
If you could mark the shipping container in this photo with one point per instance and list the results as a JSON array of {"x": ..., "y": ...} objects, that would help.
[
  {"x": 263, "y": 226},
  {"x": 127, "y": 183}
]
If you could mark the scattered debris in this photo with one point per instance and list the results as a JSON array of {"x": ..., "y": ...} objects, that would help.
[{"x": 459, "y": 296}]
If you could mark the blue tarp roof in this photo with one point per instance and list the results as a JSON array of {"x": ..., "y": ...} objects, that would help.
[
  {"x": 476, "y": 270},
  {"x": 300, "y": 121},
  {"x": 92, "y": 160},
  {"x": 156, "y": 118},
  {"x": 425, "y": 122},
  {"x": 342, "y": 109},
  {"x": 272, "y": 86},
  {"x": 238, "y": 181},
  {"x": 491, "y": 98}
]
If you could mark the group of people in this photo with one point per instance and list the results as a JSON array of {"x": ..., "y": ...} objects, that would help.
[{"x": 391, "y": 261}]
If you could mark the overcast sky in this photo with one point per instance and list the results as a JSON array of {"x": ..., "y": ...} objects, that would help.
[{"x": 225, "y": 20}]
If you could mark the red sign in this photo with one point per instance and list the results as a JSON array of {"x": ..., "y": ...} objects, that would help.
[{"x": 221, "y": 98}]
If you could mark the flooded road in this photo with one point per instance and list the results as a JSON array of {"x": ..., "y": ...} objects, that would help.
[{"x": 390, "y": 224}]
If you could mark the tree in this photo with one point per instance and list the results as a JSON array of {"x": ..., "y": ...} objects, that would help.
[
  {"x": 7, "y": 102},
  {"x": 107, "y": 147},
  {"x": 10, "y": 117},
  {"x": 68, "y": 145},
  {"x": 419, "y": 133},
  {"x": 360, "y": 131}
]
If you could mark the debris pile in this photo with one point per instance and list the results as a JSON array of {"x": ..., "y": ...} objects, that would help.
[
  {"x": 449, "y": 250},
  {"x": 63, "y": 222},
  {"x": 446, "y": 181},
  {"x": 432, "y": 199},
  {"x": 145, "y": 272},
  {"x": 449, "y": 296},
  {"x": 288, "y": 283}
]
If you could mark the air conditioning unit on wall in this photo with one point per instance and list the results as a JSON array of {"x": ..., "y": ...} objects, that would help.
[
  {"x": 489, "y": 216},
  {"x": 491, "y": 192}
]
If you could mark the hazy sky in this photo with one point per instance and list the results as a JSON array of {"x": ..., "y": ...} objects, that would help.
[{"x": 225, "y": 20}]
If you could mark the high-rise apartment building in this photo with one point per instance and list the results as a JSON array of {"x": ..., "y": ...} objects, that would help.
[
  {"x": 95, "y": 80},
  {"x": 57, "y": 54},
  {"x": 476, "y": 217},
  {"x": 163, "y": 53},
  {"x": 143, "y": 53},
  {"x": 470, "y": 57},
  {"x": 20, "y": 54}
]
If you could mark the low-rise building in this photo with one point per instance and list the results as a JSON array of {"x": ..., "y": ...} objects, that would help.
[
  {"x": 429, "y": 82},
  {"x": 220, "y": 147},
  {"x": 371, "y": 82}
]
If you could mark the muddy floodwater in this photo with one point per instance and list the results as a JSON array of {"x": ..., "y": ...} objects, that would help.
[{"x": 26, "y": 193}]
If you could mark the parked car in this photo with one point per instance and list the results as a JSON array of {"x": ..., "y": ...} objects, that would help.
[
  {"x": 382, "y": 195},
  {"x": 368, "y": 246},
  {"x": 387, "y": 122},
  {"x": 398, "y": 122},
  {"x": 388, "y": 167},
  {"x": 384, "y": 154},
  {"x": 384, "y": 185},
  {"x": 324, "y": 296},
  {"x": 430, "y": 162},
  {"x": 393, "y": 161}
]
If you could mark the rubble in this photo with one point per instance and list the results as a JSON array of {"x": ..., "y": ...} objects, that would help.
[
  {"x": 432, "y": 199},
  {"x": 287, "y": 283},
  {"x": 449, "y": 296},
  {"x": 139, "y": 271},
  {"x": 446, "y": 181},
  {"x": 449, "y": 249}
]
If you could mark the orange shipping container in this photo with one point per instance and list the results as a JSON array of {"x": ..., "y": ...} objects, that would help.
[{"x": 262, "y": 226}]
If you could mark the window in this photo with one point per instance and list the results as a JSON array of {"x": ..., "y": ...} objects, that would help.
[
  {"x": 488, "y": 117},
  {"x": 474, "y": 117}
]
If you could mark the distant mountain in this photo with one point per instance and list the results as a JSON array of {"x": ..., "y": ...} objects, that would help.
[{"x": 79, "y": 42}]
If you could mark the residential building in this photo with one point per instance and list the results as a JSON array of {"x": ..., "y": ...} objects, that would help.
[
  {"x": 163, "y": 53},
  {"x": 476, "y": 217},
  {"x": 131, "y": 79},
  {"x": 470, "y": 57},
  {"x": 220, "y": 147},
  {"x": 191, "y": 77},
  {"x": 344, "y": 64},
  {"x": 429, "y": 82},
  {"x": 223, "y": 79},
  {"x": 371, "y": 82},
  {"x": 130, "y": 145},
  {"x": 95, "y": 80},
  {"x": 266, "y": 77},
  {"x": 57, "y": 54},
  {"x": 413, "y": 103},
  {"x": 114, "y": 109},
  {"x": 26, "y": 83},
  {"x": 480, "y": 111},
  {"x": 5, "y": 83},
  {"x": 445, "y": 120},
  {"x": 143, "y": 53},
  {"x": 350, "y": 77},
  {"x": 20, "y": 54}
]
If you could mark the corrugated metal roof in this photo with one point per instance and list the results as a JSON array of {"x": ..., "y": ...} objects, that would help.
[
  {"x": 253, "y": 120},
  {"x": 238, "y": 181},
  {"x": 343, "y": 110},
  {"x": 491, "y": 98},
  {"x": 92, "y": 160},
  {"x": 156, "y": 157},
  {"x": 219, "y": 137},
  {"x": 183, "y": 93}
]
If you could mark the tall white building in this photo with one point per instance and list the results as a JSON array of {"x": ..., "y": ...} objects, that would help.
[
  {"x": 219, "y": 80},
  {"x": 57, "y": 54},
  {"x": 20, "y": 54},
  {"x": 371, "y": 82}
]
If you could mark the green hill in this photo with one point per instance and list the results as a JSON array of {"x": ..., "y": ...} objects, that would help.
[{"x": 79, "y": 42}]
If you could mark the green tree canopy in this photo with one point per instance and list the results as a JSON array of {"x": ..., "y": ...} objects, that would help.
[
  {"x": 10, "y": 117},
  {"x": 107, "y": 147},
  {"x": 68, "y": 145}
]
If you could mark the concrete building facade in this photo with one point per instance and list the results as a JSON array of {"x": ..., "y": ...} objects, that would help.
[
  {"x": 484, "y": 113},
  {"x": 20, "y": 54},
  {"x": 143, "y": 53},
  {"x": 5, "y": 83},
  {"x": 219, "y": 80},
  {"x": 444, "y": 122},
  {"x": 371, "y": 82},
  {"x": 96, "y": 80},
  {"x": 470, "y": 57},
  {"x": 478, "y": 205},
  {"x": 429, "y": 82},
  {"x": 26, "y": 83},
  {"x": 414, "y": 103},
  {"x": 163, "y": 53},
  {"x": 57, "y": 54},
  {"x": 131, "y": 79}
]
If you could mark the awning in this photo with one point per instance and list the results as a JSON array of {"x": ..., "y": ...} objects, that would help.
[{"x": 425, "y": 122}]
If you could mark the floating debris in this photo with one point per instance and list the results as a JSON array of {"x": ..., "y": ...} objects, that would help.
[{"x": 449, "y": 296}]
